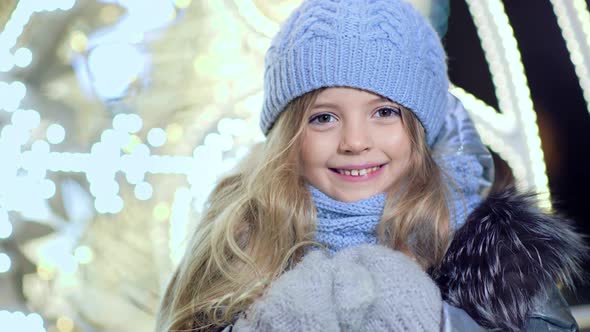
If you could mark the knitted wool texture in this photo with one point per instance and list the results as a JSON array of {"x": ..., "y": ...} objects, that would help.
[
  {"x": 365, "y": 288},
  {"x": 341, "y": 225},
  {"x": 383, "y": 46}
]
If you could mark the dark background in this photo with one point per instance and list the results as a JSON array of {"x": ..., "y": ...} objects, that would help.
[{"x": 563, "y": 118}]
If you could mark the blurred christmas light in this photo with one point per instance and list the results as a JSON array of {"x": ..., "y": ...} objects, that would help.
[
  {"x": 40, "y": 147},
  {"x": 5, "y": 263},
  {"x": 11, "y": 95},
  {"x": 161, "y": 211},
  {"x": 217, "y": 141},
  {"x": 84, "y": 254},
  {"x": 55, "y": 133},
  {"x": 67, "y": 4},
  {"x": 23, "y": 57},
  {"x": 130, "y": 123},
  {"x": 104, "y": 187},
  {"x": 47, "y": 189},
  {"x": 6, "y": 62},
  {"x": 64, "y": 324},
  {"x": 156, "y": 137},
  {"x": 143, "y": 191},
  {"x": 45, "y": 272},
  {"x": 5, "y": 229},
  {"x": 26, "y": 119},
  {"x": 15, "y": 25},
  {"x": 109, "y": 204},
  {"x": 256, "y": 18},
  {"x": 182, "y": 4},
  {"x": 18, "y": 321},
  {"x": 14, "y": 136},
  {"x": 174, "y": 132},
  {"x": 231, "y": 127},
  {"x": 78, "y": 41},
  {"x": 132, "y": 143},
  {"x": 113, "y": 67},
  {"x": 56, "y": 255}
]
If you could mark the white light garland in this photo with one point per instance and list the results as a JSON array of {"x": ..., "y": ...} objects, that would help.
[
  {"x": 5, "y": 263},
  {"x": 18, "y": 321},
  {"x": 573, "y": 18},
  {"x": 15, "y": 25},
  {"x": 519, "y": 129}
]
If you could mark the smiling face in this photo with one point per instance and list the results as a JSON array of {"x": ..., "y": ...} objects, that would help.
[{"x": 354, "y": 144}]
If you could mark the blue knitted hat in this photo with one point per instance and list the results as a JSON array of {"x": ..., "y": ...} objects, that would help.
[{"x": 383, "y": 46}]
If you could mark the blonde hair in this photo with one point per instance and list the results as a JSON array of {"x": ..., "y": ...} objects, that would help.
[{"x": 261, "y": 219}]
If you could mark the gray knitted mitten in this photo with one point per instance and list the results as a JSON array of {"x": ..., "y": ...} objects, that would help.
[{"x": 364, "y": 288}]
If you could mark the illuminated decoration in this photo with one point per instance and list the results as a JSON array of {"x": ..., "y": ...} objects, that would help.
[
  {"x": 156, "y": 137},
  {"x": 516, "y": 136},
  {"x": 129, "y": 194},
  {"x": 23, "y": 57},
  {"x": 5, "y": 224},
  {"x": 11, "y": 95},
  {"x": 5, "y": 263},
  {"x": 18, "y": 321},
  {"x": 573, "y": 18},
  {"x": 55, "y": 133}
]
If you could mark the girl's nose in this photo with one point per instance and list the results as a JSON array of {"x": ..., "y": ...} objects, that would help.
[{"x": 355, "y": 139}]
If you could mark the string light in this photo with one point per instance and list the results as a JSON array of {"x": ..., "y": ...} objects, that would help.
[
  {"x": 55, "y": 133},
  {"x": 573, "y": 18},
  {"x": 84, "y": 255},
  {"x": 65, "y": 324},
  {"x": 143, "y": 191},
  {"x": 256, "y": 19},
  {"x": 501, "y": 51},
  {"x": 156, "y": 137},
  {"x": 5, "y": 263},
  {"x": 5, "y": 225},
  {"x": 23, "y": 57},
  {"x": 18, "y": 321}
]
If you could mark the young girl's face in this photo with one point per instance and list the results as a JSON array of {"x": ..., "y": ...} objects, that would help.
[{"x": 354, "y": 144}]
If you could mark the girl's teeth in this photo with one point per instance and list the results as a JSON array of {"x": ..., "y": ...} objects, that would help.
[{"x": 358, "y": 172}]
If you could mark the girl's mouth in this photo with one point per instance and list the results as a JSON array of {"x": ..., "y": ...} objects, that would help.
[{"x": 358, "y": 174}]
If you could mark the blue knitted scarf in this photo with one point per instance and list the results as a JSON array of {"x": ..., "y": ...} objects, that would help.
[{"x": 341, "y": 225}]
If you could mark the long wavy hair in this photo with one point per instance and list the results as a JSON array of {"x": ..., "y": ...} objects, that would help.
[{"x": 260, "y": 220}]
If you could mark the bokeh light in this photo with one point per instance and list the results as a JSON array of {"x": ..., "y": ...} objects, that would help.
[
  {"x": 23, "y": 57},
  {"x": 55, "y": 133},
  {"x": 5, "y": 263}
]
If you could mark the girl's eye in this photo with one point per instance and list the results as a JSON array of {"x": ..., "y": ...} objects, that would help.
[
  {"x": 322, "y": 118},
  {"x": 387, "y": 112}
]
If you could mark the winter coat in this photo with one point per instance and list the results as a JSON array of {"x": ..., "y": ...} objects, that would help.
[
  {"x": 503, "y": 265},
  {"x": 499, "y": 274}
]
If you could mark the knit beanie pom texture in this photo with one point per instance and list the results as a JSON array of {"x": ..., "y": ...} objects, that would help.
[{"x": 382, "y": 46}]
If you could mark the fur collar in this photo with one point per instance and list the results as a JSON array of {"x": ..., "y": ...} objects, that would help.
[{"x": 507, "y": 254}]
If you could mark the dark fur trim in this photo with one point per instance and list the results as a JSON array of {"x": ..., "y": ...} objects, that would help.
[{"x": 505, "y": 256}]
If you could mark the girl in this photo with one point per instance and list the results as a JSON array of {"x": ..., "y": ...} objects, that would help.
[{"x": 362, "y": 209}]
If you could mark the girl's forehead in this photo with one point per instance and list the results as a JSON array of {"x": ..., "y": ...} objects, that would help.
[{"x": 347, "y": 94}]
